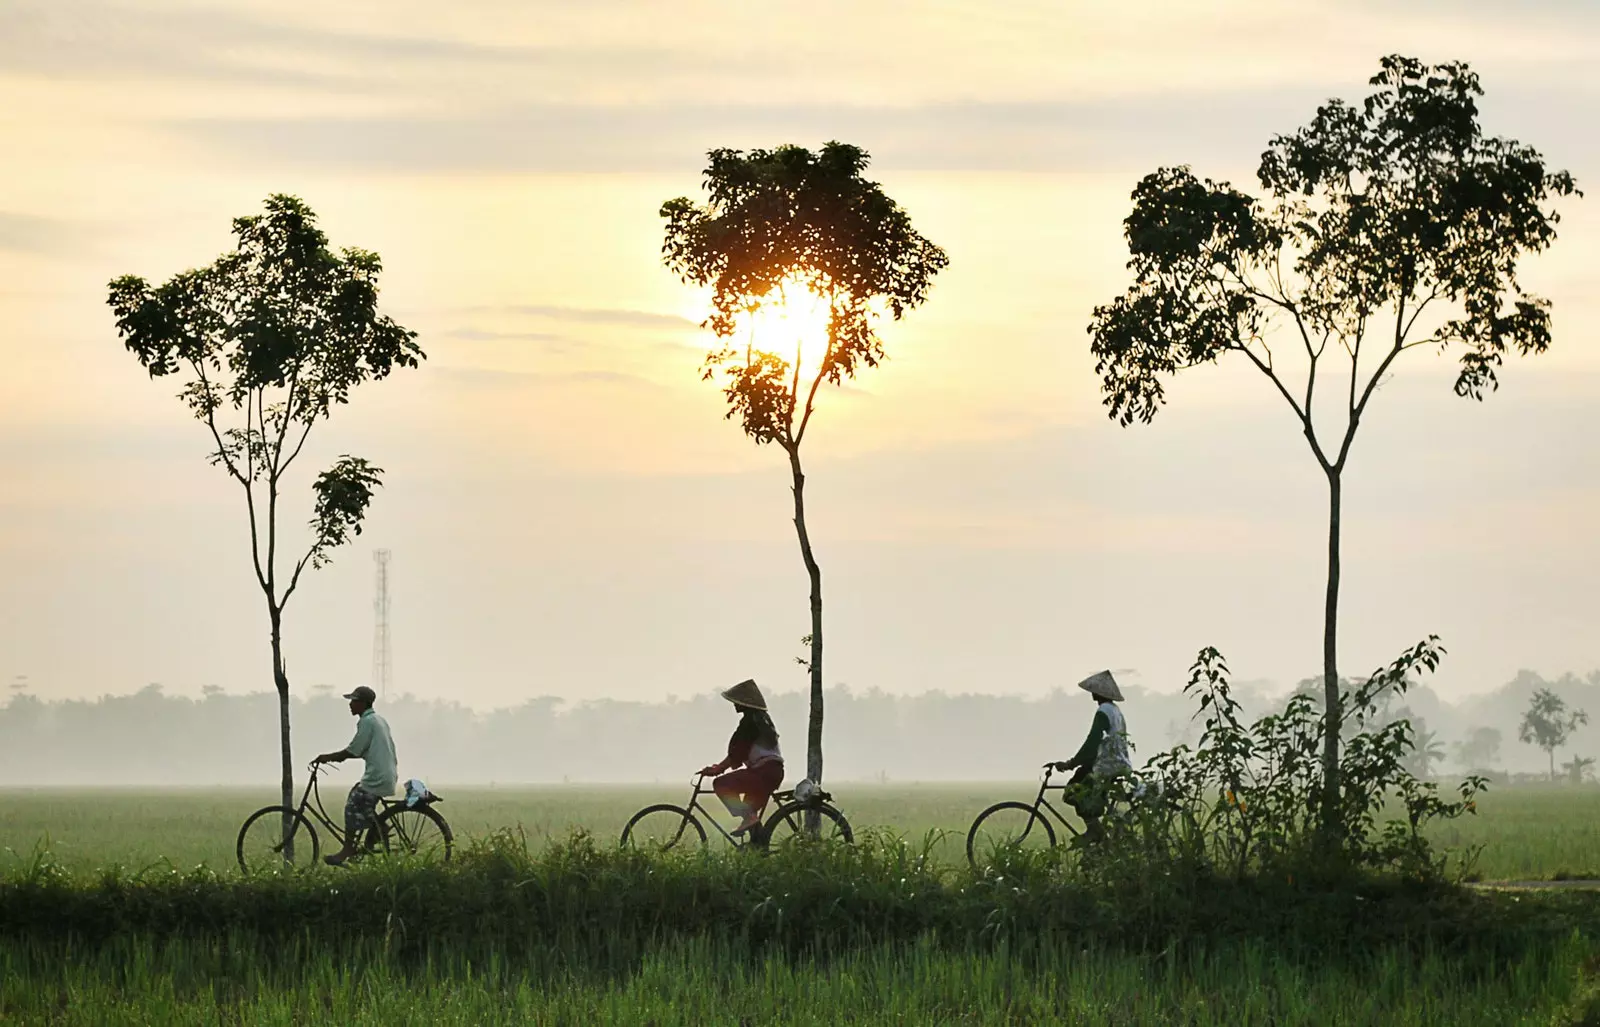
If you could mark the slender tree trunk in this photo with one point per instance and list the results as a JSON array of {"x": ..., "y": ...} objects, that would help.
[
  {"x": 1552, "y": 754},
  {"x": 1330, "y": 662},
  {"x": 814, "y": 730},
  {"x": 280, "y": 679}
]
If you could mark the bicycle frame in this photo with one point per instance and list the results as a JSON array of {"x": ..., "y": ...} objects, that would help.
[
  {"x": 317, "y": 811},
  {"x": 1041, "y": 800},
  {"x": 694, "y": 806}
]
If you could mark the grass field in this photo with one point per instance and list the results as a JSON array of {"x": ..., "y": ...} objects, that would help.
[
  {"x": 695, "y": 941},
  {"x": 706, "y": 982},
  {"x": 1527, "y": 833}
]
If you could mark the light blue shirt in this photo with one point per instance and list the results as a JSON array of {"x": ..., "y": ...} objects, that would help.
[{"x": 375, "y": 746}]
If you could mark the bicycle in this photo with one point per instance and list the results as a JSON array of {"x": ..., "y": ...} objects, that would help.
[
  {"x": 998, "y": 826},
  {"x": 267, "y": 843},
  {"x": 664, "y": 825}
]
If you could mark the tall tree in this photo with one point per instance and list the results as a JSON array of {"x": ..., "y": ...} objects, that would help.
[
  {"x": 266, "y": 341},
  {"x": 784, "y": 229},
  {"x": 1548, "y": 723},
  {"x": 1370, "y": 217}
]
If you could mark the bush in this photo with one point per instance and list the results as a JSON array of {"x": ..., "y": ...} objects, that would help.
[{"x": 1247, "y": 799}]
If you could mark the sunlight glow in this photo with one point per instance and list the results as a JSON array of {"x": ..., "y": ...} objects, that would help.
[{"x": 791, "y": 322}]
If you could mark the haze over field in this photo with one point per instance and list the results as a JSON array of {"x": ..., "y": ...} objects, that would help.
[{"x": 569, "y": 513}]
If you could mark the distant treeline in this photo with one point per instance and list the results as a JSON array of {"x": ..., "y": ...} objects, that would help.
[{"x": 149, "y": 738}]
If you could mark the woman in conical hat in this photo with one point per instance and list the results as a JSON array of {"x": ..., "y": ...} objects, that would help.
[
  {"x": 754, "y": 749},
  {"x": 1103, "y": 755}
]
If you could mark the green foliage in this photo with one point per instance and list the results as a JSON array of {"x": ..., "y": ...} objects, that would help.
[
  {"x": 1244, "y": 800},
  {"x": 1399, "y": 203},
  {"x": 785, "y": 220},
  {"x": 276, "y": 332},
  {"x": 343, "y": 492}
]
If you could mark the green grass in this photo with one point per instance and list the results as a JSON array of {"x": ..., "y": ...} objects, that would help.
[
  {"x": 876, "y": 933},
  {"x": 560, "y": 934},
  {"x": 713, "y": 982},
  {"x": 1525, "y": 833}
]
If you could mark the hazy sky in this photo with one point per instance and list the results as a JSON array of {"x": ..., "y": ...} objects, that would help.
[{"x": 568, "y": 511}]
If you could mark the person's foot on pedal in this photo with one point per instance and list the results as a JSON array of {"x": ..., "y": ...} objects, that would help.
[
  {"x": 746, "y": 824},
  {"x": 335, "y": 860}
]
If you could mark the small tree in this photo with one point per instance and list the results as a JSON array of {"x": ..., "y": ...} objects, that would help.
[
  {"x": 1372, "y": 216},
  {"x": 267, "y": 340},
  {"x": 1479, "y": 749},
  {"x": 782, "y": 229},
  {"x": 1579, "y": 769},
  {"x": 1548, "y": 723}
]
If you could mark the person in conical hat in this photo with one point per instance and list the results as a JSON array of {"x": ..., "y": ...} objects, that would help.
[
  {"x": 754, "y": 762},
  {"x": 1103, "y": 755}
]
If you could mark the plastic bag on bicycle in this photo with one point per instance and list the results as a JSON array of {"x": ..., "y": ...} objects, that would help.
[{"x": 417, "y": 792}]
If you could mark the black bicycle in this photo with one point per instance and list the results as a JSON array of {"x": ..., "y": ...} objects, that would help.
[
  {"x": 275, "y": 837},
  {"x": 663, "y": 826},
  {"x": 1016, "y": 826}
]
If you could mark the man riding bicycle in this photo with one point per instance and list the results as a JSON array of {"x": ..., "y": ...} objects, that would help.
[
  {"x": 1102, "y": 757},
  {"x": 375, "y": 746}
]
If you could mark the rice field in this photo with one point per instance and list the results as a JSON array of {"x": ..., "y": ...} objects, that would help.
[{"x": 1524, "y": 833}]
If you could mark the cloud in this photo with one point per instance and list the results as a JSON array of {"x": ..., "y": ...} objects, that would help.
[
  {"x": 93, "y": 38},
  {"x": 479, "y": 335},
  {"x": 39, "y": 236},
  {"x": 1045, "y": 136},
  {"x": 586, "y": 315},
  {"x": 489, "y": 377}
]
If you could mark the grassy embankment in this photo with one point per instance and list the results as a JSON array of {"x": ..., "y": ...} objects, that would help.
[{"x": 878, "y": 933}]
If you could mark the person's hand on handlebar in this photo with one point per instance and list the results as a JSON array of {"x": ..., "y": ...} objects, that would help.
[
  {"x": 1060, "y": 765},
  {"x": 710, "y": 771}
]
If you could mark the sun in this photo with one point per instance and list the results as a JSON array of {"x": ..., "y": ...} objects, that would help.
[{"x": 791, "y": 321}]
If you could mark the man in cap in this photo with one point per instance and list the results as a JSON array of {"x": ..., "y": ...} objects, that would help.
[
  {"x": 1103, "y": 755},
  {"x": 375, "y": 746}
]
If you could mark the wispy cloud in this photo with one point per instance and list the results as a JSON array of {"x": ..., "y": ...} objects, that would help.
[
  {"x": 583, "y": 315},
  {"x": 39, "y": 236},
  {"x": 490, "y": 377}
]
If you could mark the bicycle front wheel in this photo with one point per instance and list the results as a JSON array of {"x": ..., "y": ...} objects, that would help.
[
  {"x": 276, "y": 838},
  {"x": 662, "y": 827},
  {"x": 788, "y": 825},
  {"x": 1008, "y": 827},
  {"x": 414, "y": 831}
]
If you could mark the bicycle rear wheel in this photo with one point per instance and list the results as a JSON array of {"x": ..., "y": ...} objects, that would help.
[
  {"x": 788, "y": 825},
  {"x": 662, "y": 827},
  {"x": 1008, "y": 827},
  {"x": 413, "y": 831},
  {"x": 263, "y": 846}
]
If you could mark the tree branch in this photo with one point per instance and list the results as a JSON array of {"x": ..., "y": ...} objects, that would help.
[
  {"x": 294, "y": 579},
  {"x": 816, "y": 383},
  {"x": 1372, "y": 383},
  {"x": 1303, "y": 416}
]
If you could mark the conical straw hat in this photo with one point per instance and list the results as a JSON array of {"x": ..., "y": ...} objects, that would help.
[
  {"x": 745, "y": 693},
  {"x": 1102, "y": 684}
]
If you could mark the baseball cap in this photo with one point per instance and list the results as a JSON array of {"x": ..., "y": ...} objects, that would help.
[{"x": 363, "y": 693}]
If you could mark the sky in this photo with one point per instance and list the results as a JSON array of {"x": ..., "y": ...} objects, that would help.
[{"x": 568, "y": 511}]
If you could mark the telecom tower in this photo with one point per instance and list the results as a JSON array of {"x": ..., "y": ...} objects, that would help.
[{"x": 382, "y": 656}]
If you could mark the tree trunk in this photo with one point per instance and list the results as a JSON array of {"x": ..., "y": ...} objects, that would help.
[
  {"x": 1552, "y": 753},
  {"x": 814, "y": 730},
  {"x": 280, "y": 679},
  {"x": 1333, "y": 702}
]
